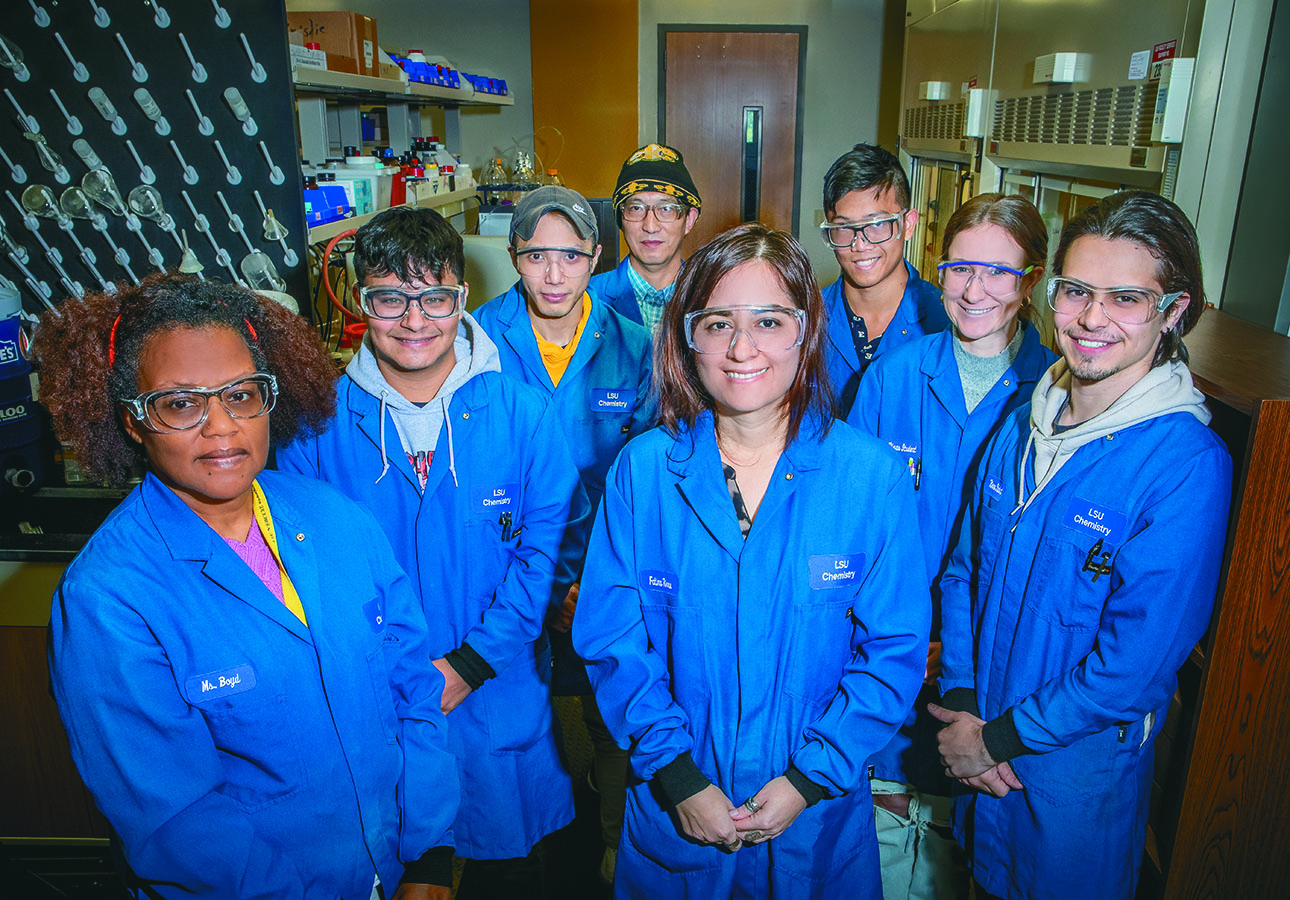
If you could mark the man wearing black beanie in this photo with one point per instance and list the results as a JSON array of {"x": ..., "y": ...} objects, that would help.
[{"x": 657, "y": 205}]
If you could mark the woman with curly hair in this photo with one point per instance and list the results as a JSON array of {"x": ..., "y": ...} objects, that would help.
[{"x": 253, "y": 718}]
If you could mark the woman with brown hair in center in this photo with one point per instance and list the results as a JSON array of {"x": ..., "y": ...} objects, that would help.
[{"x": 754, "y": 611}]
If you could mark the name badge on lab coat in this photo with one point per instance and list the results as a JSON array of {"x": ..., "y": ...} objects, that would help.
[
  {"x": 830, "y": 571},
  {"x": 1095, "y": 520},
  {"x": 500, "y": 497},
  {"x": 993, "y": 489},
  {"x": 612, "y": 400},
  {"x": 374, "y": 612},
  {"x": 214, "y": 685},
  {"x": 659, "y": 586}
]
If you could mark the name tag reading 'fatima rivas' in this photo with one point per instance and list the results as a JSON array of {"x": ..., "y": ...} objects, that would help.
[
  {"x": 1095, "y": 520},
  {"x": 830, "y": 571},
  {"x": 660, "y": 586},
  {"x": 214, "y": 685}
]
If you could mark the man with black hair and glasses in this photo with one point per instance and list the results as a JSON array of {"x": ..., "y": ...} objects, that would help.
[
  {"x": 593, "y": 365},
  {"x": 878, "y": 302},
  {"x": 471, "y": 479},
  {"x": 657, "y": 205}
]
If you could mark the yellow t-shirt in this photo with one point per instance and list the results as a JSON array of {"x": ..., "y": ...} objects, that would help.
[{"x": 556, "y": 358}]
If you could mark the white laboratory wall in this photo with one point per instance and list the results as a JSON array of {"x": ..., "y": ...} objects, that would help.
[
  {"x": 481, "y": 35},
  {"x": 843, "y": 70}
]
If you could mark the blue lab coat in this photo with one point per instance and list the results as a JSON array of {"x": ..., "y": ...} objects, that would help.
[
  {"x": 235, "y": 751},
  {"x": 603, "y": 399},
  {"x": 1087, "y": 668},
  {"x": 615, "y": 288},
  {"x": 475, "y": 586},
  {"x": 804, "y": 644},
  {"x": 920, "y": 312},
  {"x": 913, "y": 399}
]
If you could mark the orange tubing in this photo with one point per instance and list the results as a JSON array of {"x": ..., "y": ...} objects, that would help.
[{"x": 327, "y": 280}]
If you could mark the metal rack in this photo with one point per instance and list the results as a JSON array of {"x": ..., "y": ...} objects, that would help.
[{"x": 181, "y": 97}]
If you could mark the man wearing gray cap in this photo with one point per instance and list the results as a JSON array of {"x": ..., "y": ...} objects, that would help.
[{"x": 593, "y": 365}]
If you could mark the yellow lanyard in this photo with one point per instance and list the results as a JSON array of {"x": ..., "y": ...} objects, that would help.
[{"x": 264, "y": 519}]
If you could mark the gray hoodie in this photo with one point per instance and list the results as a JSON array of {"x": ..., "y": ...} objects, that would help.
[
  {"x": 1165, "y": 389},
  {"x": 419, "y": 426}
]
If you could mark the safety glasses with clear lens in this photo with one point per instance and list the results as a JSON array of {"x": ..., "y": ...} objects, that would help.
[
  {"x": 538, "y": 260},
  {"x": 1125, "y": 305},
  {"x": 772, "y": 329},
  {"x": 840, "y": 235},
  {"x": 180, "y": 409},
  {"x": 438, "y": 302},
  {"x": 996, "y": 280},
  {"x": 664, "y": 212}
]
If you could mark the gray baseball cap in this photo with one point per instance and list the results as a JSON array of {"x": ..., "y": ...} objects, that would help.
[{"x": 553, "y": 198}]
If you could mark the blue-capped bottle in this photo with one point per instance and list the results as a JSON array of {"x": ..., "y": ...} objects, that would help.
[{"x": 21, "y": 424}]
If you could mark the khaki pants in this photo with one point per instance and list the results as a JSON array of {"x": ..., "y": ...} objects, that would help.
[{"x": 920, "y": 858}]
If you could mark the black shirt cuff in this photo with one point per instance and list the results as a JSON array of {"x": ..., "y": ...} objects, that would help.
[
  {"x": 473, "y": 668},
  {"x": 1001, "y": 739},
  {"x": 680, "y": 779},
  {"x": 961, "y": 699},
  {"x": 434, "y": 867},
  {"x": 811, "y": 792}
]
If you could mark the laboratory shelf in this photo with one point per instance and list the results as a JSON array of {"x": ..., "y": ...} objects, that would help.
[
  {"x": 441, "y": 202},
  {"x": 369, "y": 89}
]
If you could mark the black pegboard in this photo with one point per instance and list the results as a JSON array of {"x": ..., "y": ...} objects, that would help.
[{"x": 35, "y": 25}]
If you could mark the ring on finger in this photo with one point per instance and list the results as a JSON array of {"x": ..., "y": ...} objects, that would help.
[
  {"x": 752, "y": 805},
  {"x": 754, "y": 836}
]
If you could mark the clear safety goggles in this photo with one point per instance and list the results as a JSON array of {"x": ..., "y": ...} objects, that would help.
[
  {"x": 772, "y": 329},
  {"x": 840, "y": 235},
  {"x": 438, "y": 302},
  {"x": 996, "y": 280},
  {"x": 182, "y": 409},
  {"x": 1124, "y": 305}
]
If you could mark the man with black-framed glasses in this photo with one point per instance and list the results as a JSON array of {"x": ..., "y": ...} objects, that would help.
[
  {"x": 470, "y": 477},
  {"x": 878, "y": 302},
  {"x": 593, "y": 366},
  {"x": 657, "y": 205}
]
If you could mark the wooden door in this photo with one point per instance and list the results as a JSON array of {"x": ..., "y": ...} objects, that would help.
[{"x": 718, "y": 86}]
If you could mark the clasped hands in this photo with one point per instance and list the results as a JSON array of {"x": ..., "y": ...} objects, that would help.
[
  {"x": 965, "y": 757},
  {"x": 709, "y": 817}
]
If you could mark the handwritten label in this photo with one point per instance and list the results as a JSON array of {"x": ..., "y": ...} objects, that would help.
[
  {"x": 830, "y": 571},
  {"x": 214, "y": 685},
  {"x": 993, "y": 489},
  {"x": 663, "y": 585}
]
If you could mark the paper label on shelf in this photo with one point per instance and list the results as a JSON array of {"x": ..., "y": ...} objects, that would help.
[
  {"x": 1138, "y": 64},
  {"x": 368, "y": 53},
  {"x": 305, "y": 58}
]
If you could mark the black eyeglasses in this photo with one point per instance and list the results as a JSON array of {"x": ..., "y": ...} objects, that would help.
[{"x": 438, "y": 302}]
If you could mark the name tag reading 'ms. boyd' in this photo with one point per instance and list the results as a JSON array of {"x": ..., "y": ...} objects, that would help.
[
  {"x": 831, "y": 570},
  {"x": 214, "y": 685}
]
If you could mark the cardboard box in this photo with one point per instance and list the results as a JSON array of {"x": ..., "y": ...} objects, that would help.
[{"x": 347, "y": 34}]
